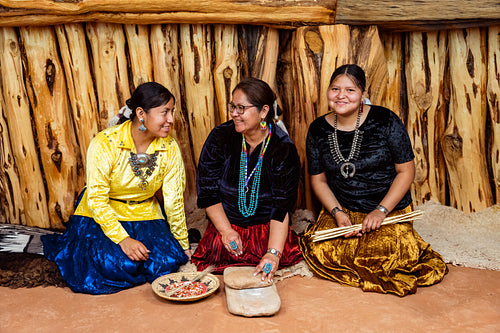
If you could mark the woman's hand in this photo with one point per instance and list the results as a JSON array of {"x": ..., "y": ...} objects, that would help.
[
  {"x": 230, "y": 235},
  {"x": 134, "y": 249},
  {"x": 188, "y": 253},
  {"x": 344, "y": 221},
  {"x": 373, "y": 221},
  {"x": 271, "y": 259},
  {"x": 218, "y": 216}
]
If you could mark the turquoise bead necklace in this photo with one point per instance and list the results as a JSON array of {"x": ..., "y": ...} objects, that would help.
[{"x": 249, "y": 210}]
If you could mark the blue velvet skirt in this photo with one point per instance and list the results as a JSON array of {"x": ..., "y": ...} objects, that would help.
[{"x": 93, "y": 264}]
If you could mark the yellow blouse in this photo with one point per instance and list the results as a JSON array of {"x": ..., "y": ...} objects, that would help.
[{"x": 109, "y": 175}]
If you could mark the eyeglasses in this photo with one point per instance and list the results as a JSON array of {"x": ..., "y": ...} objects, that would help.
[{"x": 240, "y": 109}]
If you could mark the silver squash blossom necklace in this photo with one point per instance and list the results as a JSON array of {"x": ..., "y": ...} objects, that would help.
[{"x": 347, "y": 168}]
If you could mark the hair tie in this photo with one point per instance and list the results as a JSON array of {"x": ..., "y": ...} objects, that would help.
[
  {"x": 278, "y": 121},
  {"x": 275, "y": 107},
  {"x": 124, "y": 111}
]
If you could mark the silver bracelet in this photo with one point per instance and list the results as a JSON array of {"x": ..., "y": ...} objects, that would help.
[{"x": 382, "y": 209}]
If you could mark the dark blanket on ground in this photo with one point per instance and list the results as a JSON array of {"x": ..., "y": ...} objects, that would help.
[
  {"x": 22, "y": 263},
  {"x": 28, "y": 270}
]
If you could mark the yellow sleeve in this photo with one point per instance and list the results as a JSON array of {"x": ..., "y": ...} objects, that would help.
[
  {"x": 99, "y": 168},
  {"x": 174, "y": 184}
]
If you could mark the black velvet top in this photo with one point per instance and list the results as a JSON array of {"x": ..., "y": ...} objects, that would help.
[
  {"x": 219, "y": 170},
  {"x": 385, "y": 142}
]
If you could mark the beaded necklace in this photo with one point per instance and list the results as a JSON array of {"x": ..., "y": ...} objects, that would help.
[
  {"x": 249, "y": 210},
  {"x": 347, "y": 169}
]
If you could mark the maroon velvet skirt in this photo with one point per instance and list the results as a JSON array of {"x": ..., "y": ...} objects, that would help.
[{"x": 254, "y": 239}]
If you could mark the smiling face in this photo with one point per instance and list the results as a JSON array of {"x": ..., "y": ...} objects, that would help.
[
  {"x": 159, "y": 120},
  {"x": 344, "y": 96},
  {"x": 248, "y": 122}
]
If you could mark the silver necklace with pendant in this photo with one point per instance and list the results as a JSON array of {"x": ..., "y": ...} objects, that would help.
[
  {"x": 347, "y": 168},
  {"x": 143, "y": 166}
]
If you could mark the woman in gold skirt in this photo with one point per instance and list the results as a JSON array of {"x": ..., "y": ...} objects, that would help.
[{"x": 360, "y": 161}]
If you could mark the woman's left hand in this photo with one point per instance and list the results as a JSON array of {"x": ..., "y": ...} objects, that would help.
[
  {"x": 271, "y": 259},
  {"x": 372, "y": 221},
  {"x": 188, "y": 253}
]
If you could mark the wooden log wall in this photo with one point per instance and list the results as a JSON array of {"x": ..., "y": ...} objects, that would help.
[
  {"x": 61, "y": 84},
  {"x": 391, "y": 14}
]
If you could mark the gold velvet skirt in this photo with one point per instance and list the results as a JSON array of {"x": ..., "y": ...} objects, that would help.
[{"x": 393, "y": 259}]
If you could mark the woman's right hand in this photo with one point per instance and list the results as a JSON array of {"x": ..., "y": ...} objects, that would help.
[
  {"x": 232, "y": 235},
  {"x": 134, "y": 249},
  {"x": 344, "y": 221}
]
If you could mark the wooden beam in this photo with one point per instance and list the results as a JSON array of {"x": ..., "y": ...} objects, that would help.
[
  {"x": 281, "y": 13},
  {"x": 418, "y": 15},
  {"x": 64, "y": 7},
  {"x": 387, "y": 14}
]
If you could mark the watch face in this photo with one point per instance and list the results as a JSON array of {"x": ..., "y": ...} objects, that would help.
[{"x": 273, "y": 251}]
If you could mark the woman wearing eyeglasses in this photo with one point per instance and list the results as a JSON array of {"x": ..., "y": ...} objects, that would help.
[{"x": 248, "y": 174}]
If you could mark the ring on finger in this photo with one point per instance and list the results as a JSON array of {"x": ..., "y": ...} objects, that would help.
[{"x": 267, "y": 268}]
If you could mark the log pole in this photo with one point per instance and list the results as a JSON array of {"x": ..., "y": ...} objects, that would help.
[
  {"x": 82, "y": 97},
  {"x": 11, "y": 203},
  {"x": 425, "y": 68},
  {"x": 56, "y": 141},
  {"x": 226, "y": 71},
  {"x": 196, "y": 49},
  {"x": 139, "y": 53},
  {"x": 393, "y": 54},
  {"x": 306, "y": 76},
  {"x": 33, "y": 207},
  {"x": 463, "y": 143},
  {"x": 107, "y": 43},
  {"x": 493, "y": 92},
  {"x": 166, "y": 69}
]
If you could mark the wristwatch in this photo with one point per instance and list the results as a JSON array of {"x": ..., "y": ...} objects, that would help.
[
  {"x": 335, "y": 210},
  {"x": 274, "y": 252}
]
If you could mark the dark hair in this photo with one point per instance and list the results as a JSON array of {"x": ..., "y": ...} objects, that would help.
[
  {"x": 354, "y": 72},
  {"x": 259, "y": 94},
  {"x": 147, "y": 96}
]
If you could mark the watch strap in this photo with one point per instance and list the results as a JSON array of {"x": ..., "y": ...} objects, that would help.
[
  {"x": 335, "y": 210},
  {"x": 274, "y": 252}
]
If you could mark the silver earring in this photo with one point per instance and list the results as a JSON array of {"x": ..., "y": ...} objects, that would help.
[{"x": 142, "y": 128}]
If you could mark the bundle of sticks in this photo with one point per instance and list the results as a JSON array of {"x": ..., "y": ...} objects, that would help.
[{"x": 341, "y": 231}]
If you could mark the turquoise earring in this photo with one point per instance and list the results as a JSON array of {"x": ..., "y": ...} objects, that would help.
[{"x": 142, "y": 128}]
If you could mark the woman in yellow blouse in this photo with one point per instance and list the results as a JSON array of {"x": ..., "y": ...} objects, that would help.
[{"x": 118, "y": 236}]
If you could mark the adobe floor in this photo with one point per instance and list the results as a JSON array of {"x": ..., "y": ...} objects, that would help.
[{"x": 466, "y": 301}]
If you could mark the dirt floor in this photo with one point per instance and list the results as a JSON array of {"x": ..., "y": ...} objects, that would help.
[{"x": 466, "y": 301}]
